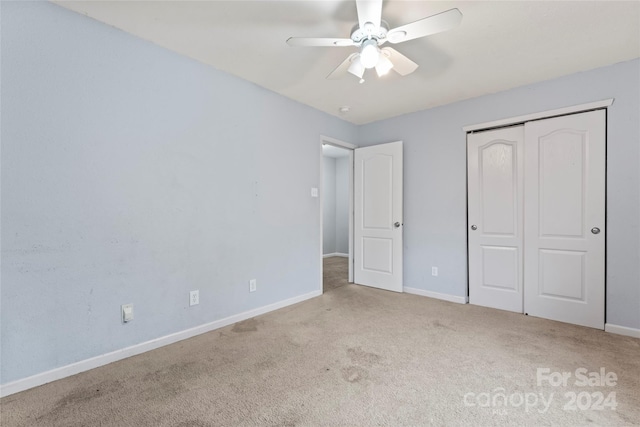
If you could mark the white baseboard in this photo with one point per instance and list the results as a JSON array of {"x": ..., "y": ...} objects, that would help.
[
  {"x": 436, "y": 295},
  {"x": 622, "y": 330},
  {"x": 94, "y": 362},
  {"x": 335, "y": 254}
]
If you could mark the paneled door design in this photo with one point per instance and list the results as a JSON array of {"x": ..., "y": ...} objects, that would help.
[
  {"x": 536, "y": 218},
  {"x": 378, "y": 216},
  {"x": 496, "y": 172},
  {"x": 565, "y": 218}
]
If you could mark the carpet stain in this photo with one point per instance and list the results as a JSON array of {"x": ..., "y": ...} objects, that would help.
[
  {"x": 183, "y": 371},
  {"x": 249, "y": 325},
  {"x": 88, "y": 393},
  {"x": 287, "y": 418},
  {"x": 170, "y": 381},
  {"x": 265, "y": 365},
  {"x": 360, "y": 357},
  {"x": 193, "y": 423},
  {"x": 438, "y": 324},
  {"x": 354, "y": 374},
  {"x": 163, "y": 392}
]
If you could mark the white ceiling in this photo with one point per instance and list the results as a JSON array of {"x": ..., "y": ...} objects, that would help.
[{"x": 499, "y": 45}]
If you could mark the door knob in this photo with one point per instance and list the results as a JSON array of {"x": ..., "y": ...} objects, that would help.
[
  {"x": 595, "y": 230},
  {"x": 396, "y": 225},
  {"x": 474, "y": 227}
]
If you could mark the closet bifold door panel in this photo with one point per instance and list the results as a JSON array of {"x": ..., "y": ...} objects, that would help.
[
  {"x": 564, "y": 227},
  {"x": 495, "y": 199},
  {"x": 536, "y": 218}
]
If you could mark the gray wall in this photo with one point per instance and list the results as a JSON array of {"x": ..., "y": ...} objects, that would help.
[
  {"x": 131, "y": 174},
  {"x": 435, "y": 178},
  {"x": 335, "y": 205},
  {"x": 342, "y": 205},
  {"x": 328, "y": 205}
]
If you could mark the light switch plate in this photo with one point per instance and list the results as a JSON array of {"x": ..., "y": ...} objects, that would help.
[
  {"x": 314, "y": 192},
  {"x": 127, "y": 313}
]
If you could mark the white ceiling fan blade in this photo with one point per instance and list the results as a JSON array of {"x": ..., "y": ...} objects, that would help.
[
  {"x": 425, "y": 27},
  {"x": 341, "y": 70},
  {"x": 369, "y": 11},
  {"x": 401, "y": 64},
  {"x": 318, "y": 41}
]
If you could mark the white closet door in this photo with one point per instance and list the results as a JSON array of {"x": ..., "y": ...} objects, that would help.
[
  {"x": 495, "y": 186},
  {"x": 565, "y": 218}
]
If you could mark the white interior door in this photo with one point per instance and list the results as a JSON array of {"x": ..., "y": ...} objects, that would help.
[
  {"x": 495, "y": 191},
  {"x": 565, "y": 218},
  {"x": 378, "y": 216}
]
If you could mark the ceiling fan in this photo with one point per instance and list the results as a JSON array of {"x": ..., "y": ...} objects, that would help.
[{"x": 371, "y": 32}]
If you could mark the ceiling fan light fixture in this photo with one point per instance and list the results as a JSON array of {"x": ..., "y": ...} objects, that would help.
[
  {"x": 369, "y": 54},
  {"x": 371, "y": 31},
  {"x": 383, "y": 66},
  {"x": 356, "y": 68}
]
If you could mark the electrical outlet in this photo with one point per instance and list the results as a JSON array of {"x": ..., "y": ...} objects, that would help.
[
  {"x": 194, "y": 297},
  {"x": 127, "y": 313},
  {"x": 434, "y": 271},
  {"x": 252, "y": 285}
]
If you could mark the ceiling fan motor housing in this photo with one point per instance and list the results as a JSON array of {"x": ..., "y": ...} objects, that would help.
[{"x": 359, "y": 35}]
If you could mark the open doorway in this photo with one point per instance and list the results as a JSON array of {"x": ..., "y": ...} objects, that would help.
[
  {"x": 337, "y": 213},
  {"x": 375, "y": 230}
]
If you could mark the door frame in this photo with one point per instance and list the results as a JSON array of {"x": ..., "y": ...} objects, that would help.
[
  {"x": 327, "y": 140},
  {"x": 521, "y": 120}
]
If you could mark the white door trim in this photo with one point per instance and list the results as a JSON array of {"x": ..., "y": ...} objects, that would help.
[
  {"x": 341, "y": 144},
  {"x": 336, "y": 142},
  {"x": 541, "y": 115}
]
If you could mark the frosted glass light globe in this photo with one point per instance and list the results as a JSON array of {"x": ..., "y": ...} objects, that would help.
[{"x": 369, "y": 54}]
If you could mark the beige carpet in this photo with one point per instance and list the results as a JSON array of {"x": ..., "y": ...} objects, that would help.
[
  {"x": 335, "y": 272},
  {"x": 353, "y": 357}
]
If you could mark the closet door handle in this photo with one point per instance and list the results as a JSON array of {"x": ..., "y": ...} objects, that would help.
[
  {"x": 474, "y": 227},
  {"x": 595, "y": 230}
]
